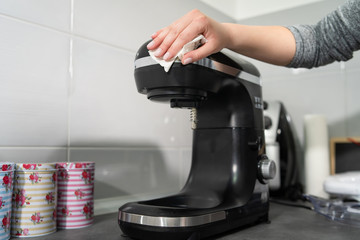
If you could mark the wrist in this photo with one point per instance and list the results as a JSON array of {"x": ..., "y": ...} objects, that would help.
[{"x": 232, "y": 37}]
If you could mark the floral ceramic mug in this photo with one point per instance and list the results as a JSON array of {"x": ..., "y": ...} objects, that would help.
[
  {"x": 6, "y": 189},
  {"x": 34, "y": 200},
  {"x": 75, "y": 194}
]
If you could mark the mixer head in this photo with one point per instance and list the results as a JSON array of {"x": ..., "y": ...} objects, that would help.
[{"x": 184, "y": 86}]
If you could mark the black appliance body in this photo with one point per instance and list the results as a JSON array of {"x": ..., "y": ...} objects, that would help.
[
  {"x": 227, "y": 184},
  {"x": 282, "y": 147}
]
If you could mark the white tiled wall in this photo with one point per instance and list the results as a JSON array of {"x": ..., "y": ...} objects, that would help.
[
  {"x": 33, "y": 92},
  {"x": 106, "y": 109},
  {"x": 67, "y": 92},
  {"x": 48, "y": 13},
  {"x": 132, "y": 170},
  {"x": 320, "y": 91}
]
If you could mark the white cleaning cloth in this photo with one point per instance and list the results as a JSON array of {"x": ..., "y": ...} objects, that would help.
[{"x": 195, "y": 43}]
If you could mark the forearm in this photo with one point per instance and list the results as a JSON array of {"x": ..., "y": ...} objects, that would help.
[
  {"x": 334, "y": 38},
  {"x": 271, "y": 44}
]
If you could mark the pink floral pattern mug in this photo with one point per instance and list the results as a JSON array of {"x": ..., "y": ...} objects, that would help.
[{"x": 75, "y": 194}]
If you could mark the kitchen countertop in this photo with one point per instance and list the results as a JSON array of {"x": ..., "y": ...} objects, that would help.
[{"x": 286, "y": 223}]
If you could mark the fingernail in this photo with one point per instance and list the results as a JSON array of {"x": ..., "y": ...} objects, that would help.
[
  {"x": 166, "y": 56},
  {"x": 157, "y": 52},
  {"x": 150, "y": 44},
  {"x": 187, "y": 61}
]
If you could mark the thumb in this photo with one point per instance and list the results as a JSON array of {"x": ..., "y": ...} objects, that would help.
[{"x": 197, "y": 54}]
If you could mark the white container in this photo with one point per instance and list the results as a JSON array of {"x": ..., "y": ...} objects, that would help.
[
  {"x": 6, "y": 190},
  {"x": 273, "y": 153},
  {"x": 34, "y": 200},
  {"x": 317, "y": 154},
  {"x": 76, "y": 194}
]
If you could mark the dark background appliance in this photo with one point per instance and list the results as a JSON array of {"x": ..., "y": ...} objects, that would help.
[
  {"x": 227, "y": 185},
  {"x": 282, "y": 146}
]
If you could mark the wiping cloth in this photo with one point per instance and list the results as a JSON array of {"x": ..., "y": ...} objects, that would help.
[{"x": 192, "y": 45}]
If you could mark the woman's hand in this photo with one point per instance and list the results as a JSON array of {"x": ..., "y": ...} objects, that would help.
[
  {"x": 271, "y": 44},
  {"x": 169, "y": 40}
]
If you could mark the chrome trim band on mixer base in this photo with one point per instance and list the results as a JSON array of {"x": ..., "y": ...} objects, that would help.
[
  {"x": 209, "y": 63},
  {"x": 171, "y": 221}
]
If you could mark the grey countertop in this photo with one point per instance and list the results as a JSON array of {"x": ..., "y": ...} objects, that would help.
[{"x": 291, "y": 223}]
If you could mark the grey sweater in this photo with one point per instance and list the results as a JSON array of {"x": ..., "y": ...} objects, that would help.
[{"x": 334, "y": 38}]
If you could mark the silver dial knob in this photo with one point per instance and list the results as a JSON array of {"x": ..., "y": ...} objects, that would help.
[{"x": 267, "y": 169}]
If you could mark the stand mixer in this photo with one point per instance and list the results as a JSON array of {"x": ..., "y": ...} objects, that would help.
[{"x": 227, "y": 185}]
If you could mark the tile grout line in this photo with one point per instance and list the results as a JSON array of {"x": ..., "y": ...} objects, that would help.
[
  {"x": 73, "y": 35},
  {"x": 70, "y": 82},
  {"x": 65, "y": 147},
  {"x": 33, "y": 147}
]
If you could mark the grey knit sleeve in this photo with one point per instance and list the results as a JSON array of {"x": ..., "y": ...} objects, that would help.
[{"x": 334, "y": 38}]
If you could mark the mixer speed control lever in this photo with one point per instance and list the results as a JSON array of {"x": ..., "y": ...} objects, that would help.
[{"x": 266, "y": 169}]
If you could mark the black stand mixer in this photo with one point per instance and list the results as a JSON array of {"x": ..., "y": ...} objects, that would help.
[{"x": 227, "y": 185}]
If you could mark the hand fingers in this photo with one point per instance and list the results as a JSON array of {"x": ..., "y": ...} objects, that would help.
[
  {"x": 196, "y": 27},
  {"x": 155, "y": 34},
  {"x": 159, "y": 36},
  {"x": 168, "y": 38},
  {"x": 157, "y": 39},
  {"x": 165, "y": 38}
]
